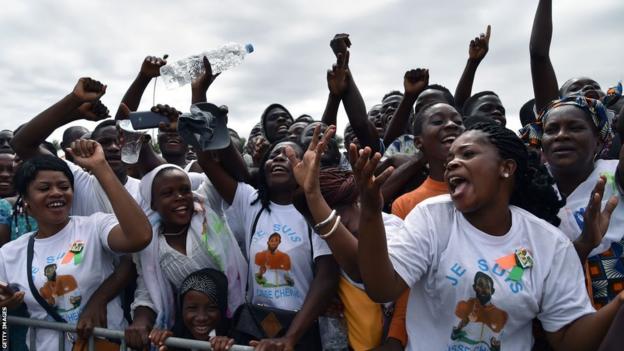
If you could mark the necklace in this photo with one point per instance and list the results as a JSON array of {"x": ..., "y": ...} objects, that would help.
[{"x": 162, "y": 231}]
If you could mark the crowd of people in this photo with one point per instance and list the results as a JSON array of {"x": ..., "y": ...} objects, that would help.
[{"x": 434, "y": 227}]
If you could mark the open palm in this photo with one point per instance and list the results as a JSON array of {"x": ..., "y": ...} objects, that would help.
[{"x": 306, "y": 170}]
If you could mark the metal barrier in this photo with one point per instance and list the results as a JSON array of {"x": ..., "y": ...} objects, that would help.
[{"x": 63, "y": 328}]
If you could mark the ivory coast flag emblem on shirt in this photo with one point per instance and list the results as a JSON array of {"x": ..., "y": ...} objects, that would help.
[{"x": 75, "y": 252}]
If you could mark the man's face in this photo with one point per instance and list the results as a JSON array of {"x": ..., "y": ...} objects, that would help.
[
  {"x": 109, "y": 139},
  {"x": 484, "y": 290},
  {"x": 5, "y": 139},
  {"x": 50, "y": 272},
  {"x": 274, "y": 242}
]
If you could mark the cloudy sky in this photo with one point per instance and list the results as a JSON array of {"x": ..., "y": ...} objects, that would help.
[{"x": 47, "y": 46}]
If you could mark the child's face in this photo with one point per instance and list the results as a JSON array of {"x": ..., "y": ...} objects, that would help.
[{"x": 200, "y": 314}]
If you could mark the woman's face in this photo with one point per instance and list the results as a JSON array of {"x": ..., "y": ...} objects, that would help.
[
  {"x": 49, "y": 197},
  {"x": 172, "y": 197},
  {"x": 441, "y": 125},
  {"x": 6, "y": 175},
  {"x": 200, "y": 314},
  {"x": 278, "y": 169},
  {"x": 570, "y": 140},
  {"x": 473, "y": 172}
]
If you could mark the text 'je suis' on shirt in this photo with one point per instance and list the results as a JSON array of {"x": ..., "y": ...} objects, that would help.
[
  {"x": 281, "y": 256},
  {"x": 468, "y": 290}
]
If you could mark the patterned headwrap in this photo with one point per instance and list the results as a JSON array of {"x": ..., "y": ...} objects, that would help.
[
  {"x": 210, "y": 282},
  {"x": 532, "y": 133}
]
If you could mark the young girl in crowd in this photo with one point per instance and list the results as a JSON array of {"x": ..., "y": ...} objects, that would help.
[
  {"x": 189, "y": 233},
  {"x": 202, "y": 305},
  {"x": 479, "y": 266},
  {"x": 64, "y": 250},
  {"x": 290, "y": 267}
]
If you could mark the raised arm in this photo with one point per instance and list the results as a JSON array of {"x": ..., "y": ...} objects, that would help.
[
  {"x": 223, "y": 181},
  {"x": 352, "y": 99},
  {"x": 402, "y": 175},
  {"x": 382, "y": 282},
  {"x": 336, "y": 81},
  {"x": 134, "y": 232},
  {"x": 414, "y": 82},
  {"x": 477, "y": 50},
  {"x": 82, "y": 102},
  {"x": 545, "y": 86},
  {"x": 200, "y": 86},
  {"x": 306, "y": 171},
  {"x": 132, "y": 98}
]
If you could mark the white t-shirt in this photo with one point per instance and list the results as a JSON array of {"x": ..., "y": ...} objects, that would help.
[
  {"x": 78, "y": 274},
  {"x": 571, "y": 214},
  {"x": 445, "y": 261},
  {"x": 280, "y": 278},
  {"x": 89, "y": 197}
]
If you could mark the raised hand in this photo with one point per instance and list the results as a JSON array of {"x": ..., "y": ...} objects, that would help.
[
  {"x": 368, "y": 184},
  {"x": 150, "y": 68},
  {"x": 415, "y": 81},
  {"x": 93, "y": 111},
  {"x": 306, "y": 171},
  {"x": 337, "y": 77},
  {"x": 260, "y": 147},
  {"x": 169, "y": 112},
  {"x": 596, "y": 220},
  {"x": 340, "y": 43},
  {"x": 480, "y": 45},
  {"x": 202, "y": 82},
  {"x": 87, "y": 154},
  {"x": 88, "y": 90}
]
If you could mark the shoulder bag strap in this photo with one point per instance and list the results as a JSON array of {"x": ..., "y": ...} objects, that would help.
[{"x": 33, "y": 290}]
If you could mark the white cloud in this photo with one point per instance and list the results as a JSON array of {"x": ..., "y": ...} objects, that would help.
[{"x": 47, "y": 46}]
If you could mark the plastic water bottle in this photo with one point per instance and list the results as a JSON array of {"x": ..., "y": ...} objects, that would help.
[{"x": 184, "y": 71}]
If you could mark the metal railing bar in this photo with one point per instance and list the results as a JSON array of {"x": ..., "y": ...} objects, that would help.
[
  {"x": 61, "y": 344},
  {"x": 34, "y": 324},
  {"x": 33, "y": 338}
]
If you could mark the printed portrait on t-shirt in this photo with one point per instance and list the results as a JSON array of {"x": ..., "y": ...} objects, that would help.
[
  {"x": 480, "y": 321},
  {"x": 273, "y": 265},
  {"x": 60, "y": 291}
]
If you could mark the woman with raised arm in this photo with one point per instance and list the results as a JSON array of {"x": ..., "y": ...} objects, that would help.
[
  {"x": 290, "y": 266},
  {"x": 480, "y": 264},
  {"x": 62, "y": 253}
]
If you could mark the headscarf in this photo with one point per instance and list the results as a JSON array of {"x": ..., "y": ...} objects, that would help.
[
  {"x": 338, "y": 186},
  {"x": 210, "y": 282},
  {"x": 533, "y": 132},
  {"x": 216, "y": 239}
]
